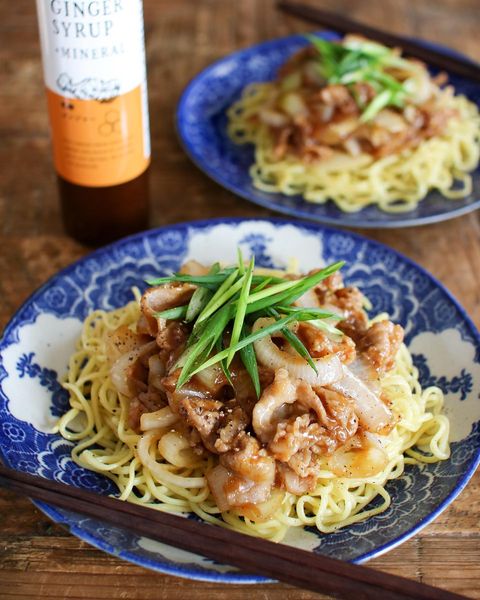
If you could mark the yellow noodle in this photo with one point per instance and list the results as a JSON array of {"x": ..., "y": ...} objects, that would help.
[
  {"x": 395, "y": 183},
  {"x": 97, "y": 423}
]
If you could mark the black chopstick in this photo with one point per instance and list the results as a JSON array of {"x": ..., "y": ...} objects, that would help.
[
  {"x": 339, "y": 23},
  {"x": 278, "y": 561}
]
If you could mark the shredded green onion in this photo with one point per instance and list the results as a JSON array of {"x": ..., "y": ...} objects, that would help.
[
  {"x": 362, "y": 61},
  {"x": 241, "y": 309},
  {"x": 224, "y": 307}
]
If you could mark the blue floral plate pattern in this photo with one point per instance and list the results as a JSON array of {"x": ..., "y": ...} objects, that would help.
[
  {"x": 201, "y": 124},
  {"x": 36, "y": 344}
]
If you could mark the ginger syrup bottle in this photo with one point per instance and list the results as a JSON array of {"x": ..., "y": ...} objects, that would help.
[{"x": 94, "y": 69}]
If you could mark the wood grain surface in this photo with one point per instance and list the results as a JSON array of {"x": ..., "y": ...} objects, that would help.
[{"x": 40, "y": 560}]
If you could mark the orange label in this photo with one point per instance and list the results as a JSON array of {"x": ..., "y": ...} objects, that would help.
[{"x": 98, "y": 143}]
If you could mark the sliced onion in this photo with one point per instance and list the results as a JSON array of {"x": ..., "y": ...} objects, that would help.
[
  {"x": 263, "y": 511},
  {"x": 329, "y": 368},
  {"x": 413, "y": 115},
  {"x": 372, "y": 413},
  {"x": 160, "y": 471},
  {"x": 156, "y": 372},
  {"x": 366, "y": 461},
  {"x": 352, "y": 146},
  {"x": 212, "y": 378},
  {"x": 419, "y": 86},
  {"x": 176, "y": 450},
  {"x": 121, "y": 371},
  {"x": 158, "y": 420},
  {"x": 308, "y": 300},
  {"x": 344, "y": 127},
  {"x": 325, "y": 112},
  {"x": 333, "y": 309},
  {"x": 390, "y": 120},
  {"x": 293, "y": 104},
  {"x": 363, "y": 369},
  {"x": 193, "y": 267},
  {"x": 273, "y": 118},
  {"x": 190, "y": 391}
]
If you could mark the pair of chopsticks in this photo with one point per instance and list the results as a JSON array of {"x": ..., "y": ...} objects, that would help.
[
  {"x": 452, "y": 64},
  {"x": 277, "y": 561}
]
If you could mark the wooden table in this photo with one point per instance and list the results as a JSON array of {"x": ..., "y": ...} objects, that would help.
[{"x": 39, "y": 559}]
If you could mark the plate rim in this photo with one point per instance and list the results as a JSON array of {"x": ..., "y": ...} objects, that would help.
[
  {"x": 214, "y": 175},
  {"x": 314, "y": 227}
]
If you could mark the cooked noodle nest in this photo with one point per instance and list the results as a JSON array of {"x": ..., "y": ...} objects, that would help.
[
  {"x": 395, "y": 183},
  {"x": 158, "y": 469}
]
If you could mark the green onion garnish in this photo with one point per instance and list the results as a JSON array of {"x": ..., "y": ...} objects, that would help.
[
  {"x": 179, "y": 312},
  {"x": 200, "y": 298},
  {"x": 198, "y": 352},
  {"x": 241, "y": 309},
  {"x": 225, "y": 306},
  {"x": 295, "y": 342},
  {"x": 362, "y": 61},
  {"x": 249, "y": 360},
  {"x": 223, "y": 363},
  {"x": 224, "y": 293},
  {"x": 253, "y": 337}
]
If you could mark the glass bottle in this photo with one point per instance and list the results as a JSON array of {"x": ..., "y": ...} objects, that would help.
[{"x": 93, "y": 55}]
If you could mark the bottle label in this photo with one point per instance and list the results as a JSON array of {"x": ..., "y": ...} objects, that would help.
[{"x": 94, "y": 69}]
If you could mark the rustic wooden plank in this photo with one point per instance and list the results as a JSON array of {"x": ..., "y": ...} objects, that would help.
[{"x": 63, "y": 560}]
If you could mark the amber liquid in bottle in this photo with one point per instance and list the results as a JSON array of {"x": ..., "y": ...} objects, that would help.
[
  {"x": 95, "y": 76},
  {"x": 99, "y": 215}
]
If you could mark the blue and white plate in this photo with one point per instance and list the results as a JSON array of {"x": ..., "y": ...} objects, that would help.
[
  {"x": 202, "y": 128},
  {"x": 39, "y": 339}
]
